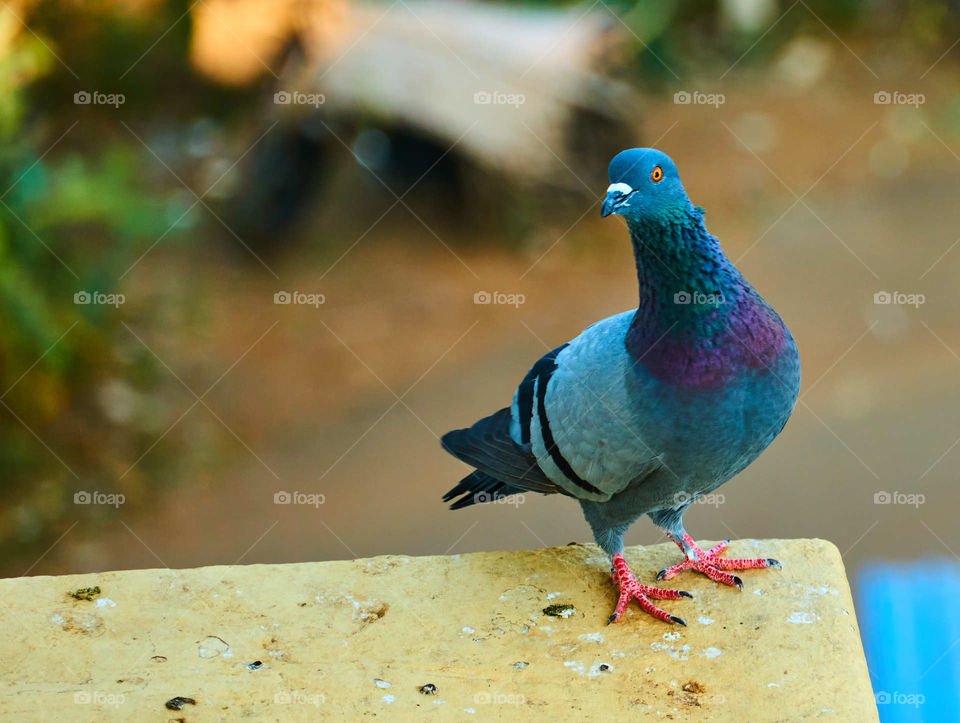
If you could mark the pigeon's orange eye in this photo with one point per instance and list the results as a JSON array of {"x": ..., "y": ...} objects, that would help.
[{"x": 656, "y": 175}]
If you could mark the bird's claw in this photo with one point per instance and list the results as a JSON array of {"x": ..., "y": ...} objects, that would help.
[
  {"x": 712, "y": 565},
  {"x": 630, "y": 589}
]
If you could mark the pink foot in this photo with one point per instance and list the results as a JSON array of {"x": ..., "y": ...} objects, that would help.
[
  {"x": 631, "y": 589},
  {"x": 711, "y": 564}
]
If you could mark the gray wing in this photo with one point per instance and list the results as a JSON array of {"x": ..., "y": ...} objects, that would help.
[
  {"x": 587, "y": 432},
  {"x": 571, "y": 428},
  {"x": 488, "y": 446},
  {"x": 479, "y": 487}
]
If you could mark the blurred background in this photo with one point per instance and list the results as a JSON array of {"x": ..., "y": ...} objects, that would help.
[{"x": 257, "y": 255}]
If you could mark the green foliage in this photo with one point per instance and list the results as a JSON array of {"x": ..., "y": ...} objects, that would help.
[
  {"x": 671, "y": 40},
  {"x": 69, "y": 222}
]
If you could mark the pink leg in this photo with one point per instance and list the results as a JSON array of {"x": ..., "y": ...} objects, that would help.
[
  {"x": 711, "y": 564},
  {"x": 631, "y": 589}
]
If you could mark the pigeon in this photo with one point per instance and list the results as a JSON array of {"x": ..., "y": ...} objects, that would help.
[{"x": 646, "y": 411}]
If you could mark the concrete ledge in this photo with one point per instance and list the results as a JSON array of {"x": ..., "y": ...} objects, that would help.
[{"x": 363, "y": 637}]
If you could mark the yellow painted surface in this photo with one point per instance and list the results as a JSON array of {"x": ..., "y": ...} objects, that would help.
[{"x": 356, "y": 639}]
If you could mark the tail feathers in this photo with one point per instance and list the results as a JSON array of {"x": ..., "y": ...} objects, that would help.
[
  {"x": 488, "y": 446},
  {"x": 478, "y": 487}
]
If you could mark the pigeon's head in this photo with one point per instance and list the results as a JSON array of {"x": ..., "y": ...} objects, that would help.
[{"x": 644, "y": 186}]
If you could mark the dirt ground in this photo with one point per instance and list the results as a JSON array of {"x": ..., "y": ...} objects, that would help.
[{"x": 348, "y": 400}]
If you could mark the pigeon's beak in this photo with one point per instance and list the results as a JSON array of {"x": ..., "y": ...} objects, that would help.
[
  {"x": 609, "y": 203},
  {"x": 616, "y": 196}
]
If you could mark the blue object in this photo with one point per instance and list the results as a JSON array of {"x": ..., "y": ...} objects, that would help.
[
  {"x": 647, "y": 410},
  {"x": 650, "y": 409},
  {"x": 911, "y": 640}
]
